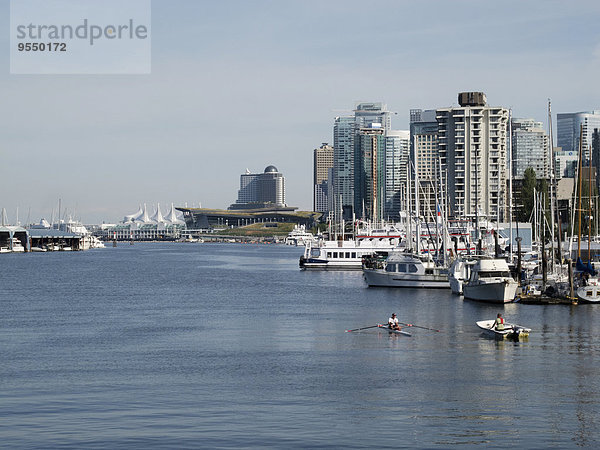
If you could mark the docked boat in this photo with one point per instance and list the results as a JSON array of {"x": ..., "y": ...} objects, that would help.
[
  {"x": 510, "y": 331},
  {"x": 299, "y": 236},
  {"x": 16, "y": 246},
  {"x": 405, "y": 270},
  {"x": 459, "y": 273},
  {"x": 590, "y": 291},
  {"x": 490, "y": 281},
  {"x": 343, "y": 255}
]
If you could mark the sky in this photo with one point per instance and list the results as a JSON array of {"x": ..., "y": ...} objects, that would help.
[{"x": 238, "y": 85}]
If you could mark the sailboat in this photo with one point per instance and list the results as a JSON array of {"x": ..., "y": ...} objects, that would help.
[{"x": 588, "y": 289}]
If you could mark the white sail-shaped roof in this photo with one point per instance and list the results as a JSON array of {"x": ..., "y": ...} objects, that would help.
[
  {"x": 157, "y": 217},
  {"x": 144, "y": 218},
  {"x": 172, "y": 217},
  {"x": 134, "y": 216}
]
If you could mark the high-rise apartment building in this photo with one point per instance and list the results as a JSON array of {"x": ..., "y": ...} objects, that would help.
[
  {"x": 472, "y": 142},
  {"x": 396, "y": 166},
  {"x": 530, "y": 148},
  {"x": 344, "y": 154},
  {"x": 343, "y": 165},
  {"x": 424, "y": 157},
  {"x": 322, "y": 162},
  {"x": 369, "y": 172}
]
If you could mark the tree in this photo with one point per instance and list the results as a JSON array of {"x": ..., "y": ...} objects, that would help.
[{"x": 526, "y": 199}]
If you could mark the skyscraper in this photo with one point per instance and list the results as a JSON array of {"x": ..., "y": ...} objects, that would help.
[
  {"x": 344, "y": 132},
  {"x": 424, "y": 155},
  {"x": 343, "y": 165},
  {"x": 568, "y": 128},
  {"x": 473, "y": 148},
  {"x": 369, "y": 172},
  {"x": 322, "y": 162},
  {"x": 396, "y": 165},
  {"x": 530, "y": 148}
]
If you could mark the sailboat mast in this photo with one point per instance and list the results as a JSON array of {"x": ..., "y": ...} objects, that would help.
[
  {"x": 409, "y": 204},
  {"x": 417, "y": 210},
  {"x": 553, "y": 181},
  {"x": 552, "y": 188},
  {"x": 579, "y": 197},
  {"x": 510, "y": 179},
  {"x": 590, "y": 207}
]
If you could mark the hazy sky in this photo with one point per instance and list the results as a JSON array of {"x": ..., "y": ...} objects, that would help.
[{"x": 246, "y": 84}]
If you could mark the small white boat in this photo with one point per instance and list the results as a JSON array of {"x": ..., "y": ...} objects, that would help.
[
  {"x": 405, "y": 270},
  {"x": 389, "y": 330},
  {"x": 511, "y": 330},
  {"x": 16, "y": 245},
  {"x": 590, "y": 292},
  {"x": 491, "y": 282}
]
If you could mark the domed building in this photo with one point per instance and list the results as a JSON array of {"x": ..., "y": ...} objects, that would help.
[{"x": 261, "y": 189}]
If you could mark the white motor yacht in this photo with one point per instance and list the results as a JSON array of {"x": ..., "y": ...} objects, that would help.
[
  {"x": 406, "y": 270},
  {"x": 490, "y": 281},
  {"x": 15, "y": 245},
  {"x": 299, "y": 236}
]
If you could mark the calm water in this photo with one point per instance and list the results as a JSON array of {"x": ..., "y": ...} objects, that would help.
[{"x": 230, "y": 345}]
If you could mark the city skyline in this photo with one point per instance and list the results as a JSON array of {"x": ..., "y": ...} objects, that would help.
[{"x": 248, "y": 84}]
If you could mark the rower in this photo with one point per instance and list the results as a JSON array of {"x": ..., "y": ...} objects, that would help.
[
  {"x": 499, "y": 323},
  {"x": 393, "y": 323}
]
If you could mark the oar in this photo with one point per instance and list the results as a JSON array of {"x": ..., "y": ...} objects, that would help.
[
  {"x": 417, "y": 326},
  {"x": 364, "y": 328}
]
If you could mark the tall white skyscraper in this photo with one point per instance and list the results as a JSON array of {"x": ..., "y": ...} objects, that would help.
[
  {"x": 473, "y": 148},
  {"x": 425, "y": 160}
]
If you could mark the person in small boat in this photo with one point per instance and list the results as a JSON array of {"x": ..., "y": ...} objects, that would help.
[
  {"x": 499, "y": 323},
  {"x": 393, "y": 323}
]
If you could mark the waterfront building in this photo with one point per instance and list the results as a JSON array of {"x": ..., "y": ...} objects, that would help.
[
  {"x": 472, "y": 143},
  {"x": 396, "y": 165},
  {"x": 261, "y": 189},
  {"x": 322, "y": 163},
  {"x": 140, "y": 226},
  {"x": 530, "y": 148},
  {"x": 206, "y": 219}
]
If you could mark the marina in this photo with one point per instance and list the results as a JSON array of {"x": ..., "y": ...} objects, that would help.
[
  {"x": 218, "y": 232},
  {"x": 150, "y": 346}
]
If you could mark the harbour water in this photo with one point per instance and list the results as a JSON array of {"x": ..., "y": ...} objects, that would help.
[{"x": 174, "y": 345}]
